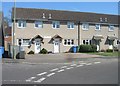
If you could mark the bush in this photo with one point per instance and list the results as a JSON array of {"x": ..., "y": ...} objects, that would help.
[
  {"x": 31, "y": 52},
  {"x": 94, "y": 48},
  {"x": 87, "y": 48},
  {"x": 109, "y": 50},
  {"x": 103, "y": 50},
  {"x": 43, "y": 51}
]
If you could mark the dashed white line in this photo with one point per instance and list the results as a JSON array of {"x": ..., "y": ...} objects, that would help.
[
  {"x": 83, "y": 63},
  {"x": 40, "y": 80},
  {"x": 54, "y": 69},
  {"x": 69, "y": 68},
  {"x": 73, "y": 65},
  {"x": 41, "y": 73},
  {"x": 64, "y": 67},
  {"x": 30, "y": 79},
  {"x": 50, "y": 74},
  {"x": 89, "y": 64},
  {"x": 61, "y": 70},
  {"x": 97, "y": 62},
  {"x": 79, "y": 65}
]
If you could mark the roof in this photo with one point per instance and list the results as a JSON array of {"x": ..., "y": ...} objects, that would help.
[{"x": 36, "y": 14}]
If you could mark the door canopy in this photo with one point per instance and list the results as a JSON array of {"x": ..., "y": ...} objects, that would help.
[
  {"x": 36, "y": 37},
  {"x": 98, "y": 37},
  {"x": 56, "y": 37},
  {"x": 111, "y": 37}
]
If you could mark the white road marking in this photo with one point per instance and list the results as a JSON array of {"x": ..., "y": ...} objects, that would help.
[
  {"x": 50, "y": 74},
  {"x": 30, "y": 79},
  {"x": 61, "y": 70},
  {"x": 83, "y": 63},
  {"x": 97, "y": 62},
  {"x": 73, "y": 65},
  {"x": 79, "y": 65},
  {"x": 40, "y": 80},
  {"x": 89, "y": 64},
  {"x": 64, "y": 67},
  {"x": 41, "y": 73},
  {"x": 54, "y": 69},
  {"x": 69, "y": 68}
]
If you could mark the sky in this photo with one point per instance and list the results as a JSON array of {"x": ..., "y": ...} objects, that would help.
[{"x": 95, "y": 7}]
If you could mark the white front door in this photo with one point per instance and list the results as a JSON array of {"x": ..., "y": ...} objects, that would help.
[
  {"x": 98, "y": 45},
  {"x": 37, "y": 46},
  {"x": 56, "y": 46}
]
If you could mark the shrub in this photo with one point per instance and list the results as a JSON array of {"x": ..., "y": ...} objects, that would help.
[
  {"x": 87, "y": 48},
  {"x": 43, "y": 51},
  {"x": 103, "y": 50},
  {"x": 31, "y": 52},
  {"x": 94, "y": 48},
  {"x": 109, "y": 50}
]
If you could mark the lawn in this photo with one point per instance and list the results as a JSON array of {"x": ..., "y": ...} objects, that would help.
[{"x": 106, "y": 53}]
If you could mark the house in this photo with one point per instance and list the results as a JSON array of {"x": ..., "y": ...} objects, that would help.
[{"x": 58, "y": 31}]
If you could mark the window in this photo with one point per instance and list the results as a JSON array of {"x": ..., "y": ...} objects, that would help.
[
  {"x": 24, "y": 42},
  {"x": 85, "y": 26},
  {"x": 38, "y": 24},
  {"x": 111, "y": 28},
  {"x": 21, "y": 24},
  {"x": 118, "y": 42},
  {"x": 70, "y": 25},
  {"x": 56, "y": 24},
  {"x": 87, "y": 42},
  {"x": 97, "y": 27},
  {"x": 68, "y": 42}
]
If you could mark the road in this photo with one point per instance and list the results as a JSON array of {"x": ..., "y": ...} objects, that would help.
[{"x": 82, "y": 71}]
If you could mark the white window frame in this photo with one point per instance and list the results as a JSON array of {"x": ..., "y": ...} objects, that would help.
[
  {"x": 68, "y": 40},
  {"x": 22, "y": 42},
  {"x": 99, "y": 26},
  {"x": 56, "y": 23},
  {"x": 40, "y": 24},
  {"x": 86, "y": 40},
  {"x": 86, "y": 26},
  {"x": 70, "y": 24},
  {"x": 22, "y": 21},
  {"x": 110, "y": 27}
]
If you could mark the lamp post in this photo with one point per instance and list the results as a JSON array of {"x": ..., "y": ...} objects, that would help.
[{"x": 13, "y": 32}]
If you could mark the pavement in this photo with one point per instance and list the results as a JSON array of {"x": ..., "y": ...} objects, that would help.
[{"x": 51, "y": 58}]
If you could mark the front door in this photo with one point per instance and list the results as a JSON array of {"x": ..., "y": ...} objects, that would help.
[
  {"x": 98, "y": 45},
  {"x": 110, "y": 44},
  {"x": 37, "y": 46},
  {"x": 56, "y": 46}
]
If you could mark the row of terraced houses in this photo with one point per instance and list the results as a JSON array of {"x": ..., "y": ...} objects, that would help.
[{"x": 57, "y": 30}]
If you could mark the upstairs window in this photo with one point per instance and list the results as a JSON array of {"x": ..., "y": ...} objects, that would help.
[
  {"x": 98, "y": 27},
  {"x": 21, "y": 24},
  {"x": 70, "y": 25},
  {"x": 111, "y": 28},
  {"x": 85, "y": 26},
  {"x": 56, "y": 24},
  {"x": 38, "y": 24}
]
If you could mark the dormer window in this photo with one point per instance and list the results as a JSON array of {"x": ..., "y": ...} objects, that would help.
[
  {"x": 111, "y": 27},
  {"x": 43, "y": 15},
  {"x": 38, "y": 24},
  {"x": 101, "y": 20},
  {"x": 105, "y": 19},
  {"x": 50, "y": 16}
]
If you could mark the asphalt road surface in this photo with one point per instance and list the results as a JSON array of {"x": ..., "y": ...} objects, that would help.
[{"x": 82, "y": 71}]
